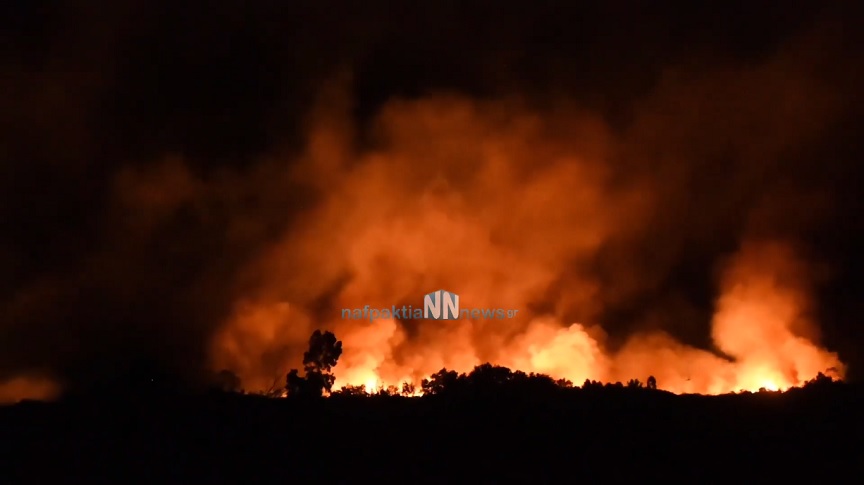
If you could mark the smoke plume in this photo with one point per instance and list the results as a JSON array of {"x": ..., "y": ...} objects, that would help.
[{"x": 514, "y": 208}]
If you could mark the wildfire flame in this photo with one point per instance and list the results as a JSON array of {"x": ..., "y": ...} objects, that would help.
[{"x": 500, "y": 205}]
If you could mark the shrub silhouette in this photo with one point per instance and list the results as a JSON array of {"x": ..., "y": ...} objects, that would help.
[
  {"x": 352, "y": 391},
  {"x": 652, "y": 383},
  {"x": 408, "y": 389},
  {"x": 227, "y": 381}
]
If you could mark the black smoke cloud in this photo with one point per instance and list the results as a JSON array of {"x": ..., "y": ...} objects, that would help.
[{"x": 136, "y": 188}]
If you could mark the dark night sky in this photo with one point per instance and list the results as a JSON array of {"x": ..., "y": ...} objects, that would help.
[{"x": 89, "y": 87}]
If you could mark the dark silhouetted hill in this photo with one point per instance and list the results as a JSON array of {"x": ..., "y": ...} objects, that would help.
[{"x": 494, "y": 427}]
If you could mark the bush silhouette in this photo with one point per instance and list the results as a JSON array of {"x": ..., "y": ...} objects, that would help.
[
  {"x": 652, "y": 383},
  {"x": 227, "y": 381},
  {"x": 408, "y": 389}
]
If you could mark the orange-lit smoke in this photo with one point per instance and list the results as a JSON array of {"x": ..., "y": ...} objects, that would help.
[
  {"x": 508, "y": 208},
  {"x": 761, "y": 321},
  {"x": 27, "y": 387}
]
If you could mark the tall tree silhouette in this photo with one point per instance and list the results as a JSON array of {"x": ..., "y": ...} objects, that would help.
[{"x": 322, "y": 356}]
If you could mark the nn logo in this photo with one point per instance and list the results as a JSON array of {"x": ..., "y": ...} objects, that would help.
[{"x": 441, "y": 305}]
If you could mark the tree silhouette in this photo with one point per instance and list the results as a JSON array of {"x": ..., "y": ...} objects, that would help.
[
  {"x": 440, "y": 382},
  {"x": 565, "y": 383},
  {"x": 489, "y": 380},
  {"x": 820, "y": 381},
  {"x": 324, "y": 351},
  {"x": 486, "y": 377},
  {"x": 652, "y": 383},
  {"x": 589, "y": 384}
]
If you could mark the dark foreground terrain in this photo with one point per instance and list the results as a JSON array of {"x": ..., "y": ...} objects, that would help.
[{"x": 576, "y": 435}]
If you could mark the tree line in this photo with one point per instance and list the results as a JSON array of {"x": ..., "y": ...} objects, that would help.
[{"x": 325, "y": 349}]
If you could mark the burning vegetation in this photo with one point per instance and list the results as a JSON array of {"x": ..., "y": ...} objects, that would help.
[{"x": 484, "y": 380}]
